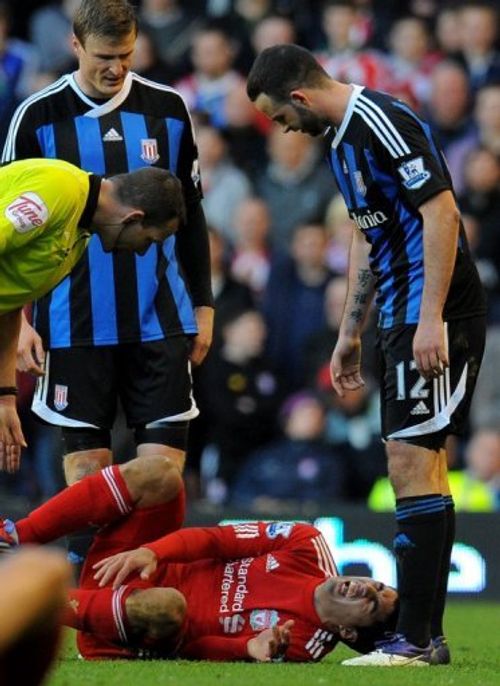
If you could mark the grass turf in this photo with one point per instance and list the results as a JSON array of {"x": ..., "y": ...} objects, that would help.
[{"x": 473, "y": 630}]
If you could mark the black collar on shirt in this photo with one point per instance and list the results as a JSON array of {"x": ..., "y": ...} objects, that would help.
[{"x": 91, "y": 204}]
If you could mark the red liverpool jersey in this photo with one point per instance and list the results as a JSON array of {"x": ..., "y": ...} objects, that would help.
[{"x": 244, "y": 578}]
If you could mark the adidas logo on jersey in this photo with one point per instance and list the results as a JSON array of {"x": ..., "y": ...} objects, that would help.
[
  {"x": 112, "y": 136},
  {"x": 271, "y": 563},
  {"x": 421, "y": 408}
]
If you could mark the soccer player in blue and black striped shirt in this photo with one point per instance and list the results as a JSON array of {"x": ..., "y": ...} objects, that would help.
[
  {"x": 119, "y": 326},
  {"x": 410, "y": 251}
]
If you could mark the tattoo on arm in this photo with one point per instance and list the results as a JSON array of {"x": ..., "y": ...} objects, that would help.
[{"x": 361, "y": 295}]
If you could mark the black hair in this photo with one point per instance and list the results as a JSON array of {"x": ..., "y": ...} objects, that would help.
[
  {"x": 280, "y": 69},
  {"x": 368, "y": 636},
  {"x": 156, "y": 191},
  {"x": 113, "y": 19}
]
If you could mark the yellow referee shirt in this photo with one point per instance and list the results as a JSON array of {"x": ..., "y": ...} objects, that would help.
[{"x": 45, "y": 208}]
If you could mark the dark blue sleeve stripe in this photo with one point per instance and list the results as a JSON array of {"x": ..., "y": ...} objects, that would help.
[
  {"x": 46, "y": 140},
  {"x": 147, "y": 286},
  {"x": 88, "y": 133},
  {"x": 134, "y": 133},
  {"x": 59, "y": 314},
  {"x": 175, "y": 128},
  {"x": 102, "y": 281}
]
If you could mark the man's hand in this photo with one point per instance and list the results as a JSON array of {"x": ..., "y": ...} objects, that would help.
[
  {"x": 345, "y": 366},
  {"x": 203, "y": 340},
  {"x": 429, "y": 348},
  {"x": 117, "y": 567},
  {"x": 11, "y": 435},
  {"x": 271, "y": 644},
  {"x": 30, "y": 352}
]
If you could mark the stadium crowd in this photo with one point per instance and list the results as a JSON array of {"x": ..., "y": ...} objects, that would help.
[{"x": 271, "y": 430}]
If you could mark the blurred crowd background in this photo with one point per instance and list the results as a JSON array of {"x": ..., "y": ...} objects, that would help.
[{"x": 272, "y": 435}]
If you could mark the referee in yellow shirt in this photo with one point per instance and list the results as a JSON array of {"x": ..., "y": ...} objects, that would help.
[{"x": 48, "y": 211}]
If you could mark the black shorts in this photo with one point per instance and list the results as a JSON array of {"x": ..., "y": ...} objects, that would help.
[
  {"x": 424, "y": 412},
  {"x": 81, "y": 385}
]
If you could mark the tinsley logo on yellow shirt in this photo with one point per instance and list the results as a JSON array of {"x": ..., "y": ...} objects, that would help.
[{"x": 27, "y": 212}]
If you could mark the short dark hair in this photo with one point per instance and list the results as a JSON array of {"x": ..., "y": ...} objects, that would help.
[
  {"x": 112, "y": 19},
  {"x": 156, "y": 191},
  {"x": 280, "y": 69}
]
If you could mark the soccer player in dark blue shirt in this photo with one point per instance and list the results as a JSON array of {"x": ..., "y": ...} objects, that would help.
[
  {"x": 119, "y": 326},
  {"x": 410, "y": 251}
]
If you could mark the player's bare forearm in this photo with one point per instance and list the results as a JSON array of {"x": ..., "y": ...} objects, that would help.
[
  {"x": 10, "y": 323},
  {"x": 441, "y": 224},
  {"x": 360, "y": 287}
]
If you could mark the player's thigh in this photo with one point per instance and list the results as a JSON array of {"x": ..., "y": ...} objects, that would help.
[
  {"x": 155, "y": 381},
  {"x": 79, "y": 388}
]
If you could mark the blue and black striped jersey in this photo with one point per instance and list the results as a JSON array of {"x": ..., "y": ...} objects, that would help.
[
  {"x": 387, "y": 164},
  {"x": 117, "y": 298}
]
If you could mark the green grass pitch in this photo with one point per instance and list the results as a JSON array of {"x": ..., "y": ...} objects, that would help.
[{"x": 473, "y": 629}]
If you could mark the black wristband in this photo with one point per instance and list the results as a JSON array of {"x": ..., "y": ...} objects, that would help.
[{"x": 8, "y": 390}]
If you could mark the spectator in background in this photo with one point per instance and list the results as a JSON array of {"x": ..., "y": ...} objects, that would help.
[
  {"x": 293, "y": 302},
  {"x": 353, "y": 430},
  {"x": 171, "y": 25},
  {"x": 146, "y": 60},
  {"x": 224, "y": 185},
  {"x": 297, "y": 470},
  {"x": 345, "y": 57},
  {"x": 478, "y": 29},
  {"x": 449, "y": 114},
  {"x": 296, "y": 184},
  {"x": 273, "y": 30},
  {"x": 239, "y": 394},
  {"x": 50, "y": 30},
  {"x": 245, "y": 132},
  {"x": 485, "y": 409},
  {"x": 339, "y": 226},
  {"x": 487, "y": 116},
  {"x": 482, "y": 460},
  {"x": 411, "y": 59},
  {"x": 18, "y": 67},
  {"x": 214, "y": 77},
  {"x": 230, "y": 295},
  {"x": 251, "y": 258},
  {"x": 447, "y": 30},
  {"x": 481, "y": 201}
]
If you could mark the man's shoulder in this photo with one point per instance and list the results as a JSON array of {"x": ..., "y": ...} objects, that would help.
[
  {"x": 159, "y": 89},
  {"x": 44, "y": 100}
]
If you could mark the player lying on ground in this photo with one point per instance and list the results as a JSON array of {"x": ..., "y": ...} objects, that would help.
[
  {"x": 203, "y": 593},
  {"x": 48, "y": 211}
]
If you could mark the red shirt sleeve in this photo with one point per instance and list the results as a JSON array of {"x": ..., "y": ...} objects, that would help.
[
  {"x": 219, "y": 648},
  {"x": 232, "y": 541}
]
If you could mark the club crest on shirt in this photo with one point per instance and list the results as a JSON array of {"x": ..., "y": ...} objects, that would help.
[
  {"x": 149, "y": 150},
  {"x": 60, "y": 397},
  {"x": 263, "y": 619},
  {"x": 27, "y": 212},
  {"x": 414, "y": 174},
  {"x": 279, "y": 529}
]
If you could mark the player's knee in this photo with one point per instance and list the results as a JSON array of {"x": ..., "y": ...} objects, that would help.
[
  {"x": 156, "y": 613},
  {"x": 155, "y": 478},
  {"x": 85, "y": 452}
]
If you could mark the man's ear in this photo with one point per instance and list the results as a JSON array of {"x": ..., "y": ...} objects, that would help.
[
  {"x": 133, "y": 216},
  {"x": 298, "y": 97},
  {"x": 76, "y": 45},
  {"x": 348, "y": 633}
]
